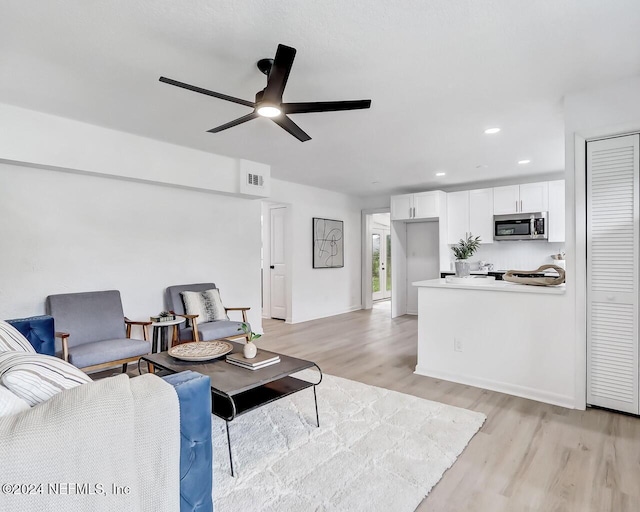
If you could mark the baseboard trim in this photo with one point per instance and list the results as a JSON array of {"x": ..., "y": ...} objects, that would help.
[
  {"x": 350, "y": 309},
  {"x": 501, "y": 387}
]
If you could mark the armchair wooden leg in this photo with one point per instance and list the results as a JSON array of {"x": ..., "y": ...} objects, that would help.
[
  {"x": 174, "y": 338},
  {"x": 145, "y": 332},
  {"x": 65, "y": 349},
  {"x": 196, "y": 334}
]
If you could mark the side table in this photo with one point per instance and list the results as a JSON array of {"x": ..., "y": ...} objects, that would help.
[{"x": 160, "y": 332}]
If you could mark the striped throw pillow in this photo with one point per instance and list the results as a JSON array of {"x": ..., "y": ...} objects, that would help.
[
  {"x": 37, "y": 377},
  {"x": 11, "y": 339},
  {"x": 10, "y": 403},
  {"x": 207, "y": 305}
]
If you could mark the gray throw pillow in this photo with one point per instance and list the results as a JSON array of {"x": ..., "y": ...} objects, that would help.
[{"x": 207, "y": 305}]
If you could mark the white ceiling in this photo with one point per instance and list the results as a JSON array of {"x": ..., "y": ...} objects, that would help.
[{"x": 438, "y": 72}]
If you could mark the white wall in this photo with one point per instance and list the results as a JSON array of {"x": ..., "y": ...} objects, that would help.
[
  {"x": 79, "y": 206},
  {"x": 42, "y": 140},
  {"x": 95, "y": 195},
  {"x": 601, "y": 112},
  {"x": 64, "y": 232},
  {"x": 318, "y": 293}
]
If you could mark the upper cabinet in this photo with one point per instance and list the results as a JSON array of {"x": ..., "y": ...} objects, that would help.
[
  {"x": 528, "y": 198},
  {"x": 457, "y": 216},
  {"x": 424, "y": 205},
  {"x": 481, "y": 214},
  {"x": 402, "y": 207},
  {"x": 470, "y": 211},
  {"x": 556, "y": 211},
  {"x": 506, "y": 199},
  {"x": 534, "y": 197}
]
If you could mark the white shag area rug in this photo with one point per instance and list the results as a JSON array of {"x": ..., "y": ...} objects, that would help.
[{"x": 375, "y": 450}]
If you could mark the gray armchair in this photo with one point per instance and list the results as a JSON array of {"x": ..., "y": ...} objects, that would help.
[
  {"x": 91, "y": 326},
  {"x": 203, "y": 330}
]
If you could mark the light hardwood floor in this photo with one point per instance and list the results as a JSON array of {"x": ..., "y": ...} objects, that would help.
[{"x": 528, "y": 456}]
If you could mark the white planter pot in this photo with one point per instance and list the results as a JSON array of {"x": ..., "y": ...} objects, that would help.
[
  {"x": 463, "y": 269},
  {"x": 249, "y": 350}
]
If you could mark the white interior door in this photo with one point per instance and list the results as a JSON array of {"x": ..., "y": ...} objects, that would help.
[
  {"x": 612, "y": 273},
  {"x": 380, "y": 264},
  {"x": 278, "y": 267}
]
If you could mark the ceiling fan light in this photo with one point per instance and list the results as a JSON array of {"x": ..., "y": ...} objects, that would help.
[{"x": 269, "y": 111}]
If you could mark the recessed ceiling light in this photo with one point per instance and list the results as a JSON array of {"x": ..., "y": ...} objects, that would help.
[
  {"x": 522, "y": 162},
  {"x": 491, "y": 131},
  {"x": 441, "y": 174}
]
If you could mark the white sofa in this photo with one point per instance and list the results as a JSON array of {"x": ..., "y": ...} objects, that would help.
[{"x": 112, "y": 444}]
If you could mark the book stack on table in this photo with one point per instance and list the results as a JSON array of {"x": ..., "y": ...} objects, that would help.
[
  {"x": 261, "y": 360},
  {"x": 168, "y": 318}
]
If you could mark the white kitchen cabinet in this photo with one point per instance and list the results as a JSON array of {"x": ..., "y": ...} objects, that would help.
[
  {"x": 534, "y": 197},
  {"x": 457, "y": 216},
  {"x": 426, "y": 205},
  {"x": 470, "y": 211},
  {"x": 402, "y": 207},
  {"x": 527, "y": 198},
  {"x": 423, "y": 205},
  {"x": 556, "y": 211},
  {"x": 506, "y": 199},
  {"x": 481, "y": 214}
]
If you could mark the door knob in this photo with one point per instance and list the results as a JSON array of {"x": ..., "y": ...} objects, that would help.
[{"x": 272, "y": 267}]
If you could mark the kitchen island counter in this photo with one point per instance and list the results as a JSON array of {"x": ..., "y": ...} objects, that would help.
[{"x": 502, "y": 336}]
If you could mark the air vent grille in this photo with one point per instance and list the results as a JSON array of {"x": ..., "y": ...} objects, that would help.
[{"x": 255, "y": 180}]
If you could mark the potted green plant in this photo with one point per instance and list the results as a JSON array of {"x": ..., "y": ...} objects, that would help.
[
  {"x": 249, "y": 350},
  {"x": 463, "y": 250}
]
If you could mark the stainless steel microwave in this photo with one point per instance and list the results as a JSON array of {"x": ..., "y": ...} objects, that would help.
[{"x": 521, "y": 226}]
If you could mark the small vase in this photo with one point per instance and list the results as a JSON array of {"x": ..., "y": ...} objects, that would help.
[
  {"x": 249, "y": 350},
  {"x": 462, "y": 268}
]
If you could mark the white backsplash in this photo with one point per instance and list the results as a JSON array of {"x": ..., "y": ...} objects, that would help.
[{"x": 515, "y": 255}]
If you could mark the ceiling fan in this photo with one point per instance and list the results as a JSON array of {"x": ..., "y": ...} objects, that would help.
[{"x": 268, "y": 101}]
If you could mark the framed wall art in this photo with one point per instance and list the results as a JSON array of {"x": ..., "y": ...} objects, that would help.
[{"x": 328, "y": 243}]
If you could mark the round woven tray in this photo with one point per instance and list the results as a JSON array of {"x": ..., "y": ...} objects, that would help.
[{"x": 200, "y": 350}]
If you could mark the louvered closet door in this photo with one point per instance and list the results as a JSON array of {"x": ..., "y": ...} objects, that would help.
[{"x": 612, "y": 273}]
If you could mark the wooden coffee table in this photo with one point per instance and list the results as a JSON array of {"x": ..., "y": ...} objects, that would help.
[{"x": 235, "y": 390}]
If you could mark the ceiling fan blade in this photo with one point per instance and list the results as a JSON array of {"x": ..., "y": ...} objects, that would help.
[
  {"x": 291, "y": 127},
  {"x": 324, "y": 106},
  {"x": 235, "y": 122},
  {"x": 207, "y": 92},
  {"x": 279, "y": 74}
]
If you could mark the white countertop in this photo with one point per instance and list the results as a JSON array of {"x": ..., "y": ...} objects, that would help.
[{"x": 494, "y": 286}]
